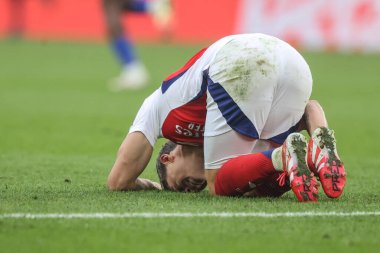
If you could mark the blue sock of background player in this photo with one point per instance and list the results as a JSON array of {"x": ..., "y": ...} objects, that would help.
[
  {"x": 122, "y": 44},
  {"x": 134, "y": 74}
]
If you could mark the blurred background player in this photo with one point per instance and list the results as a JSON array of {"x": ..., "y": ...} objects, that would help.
[{"x": 134, "y": 75}]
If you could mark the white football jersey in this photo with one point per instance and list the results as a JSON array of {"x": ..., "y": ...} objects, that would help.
[
  {"x": 254, "y": 85},
  {"x": 177, "y": 110}
]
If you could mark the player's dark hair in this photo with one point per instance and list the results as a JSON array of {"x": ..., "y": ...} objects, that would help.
[{"x": 161, "y": 168}]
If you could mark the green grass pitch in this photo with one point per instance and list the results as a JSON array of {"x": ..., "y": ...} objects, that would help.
[{"x": 60, "y": 129}]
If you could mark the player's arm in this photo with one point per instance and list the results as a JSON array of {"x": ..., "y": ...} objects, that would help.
[{"x": 132, "y": 158}]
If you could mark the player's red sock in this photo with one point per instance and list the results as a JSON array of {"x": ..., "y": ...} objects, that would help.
[{"x": 236, "y": 175}]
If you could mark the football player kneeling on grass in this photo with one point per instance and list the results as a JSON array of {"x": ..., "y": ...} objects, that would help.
[{"x": 232, "y": 114}]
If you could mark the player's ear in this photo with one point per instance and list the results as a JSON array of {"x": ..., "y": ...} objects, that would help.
[{"x": 166, "y": 158}]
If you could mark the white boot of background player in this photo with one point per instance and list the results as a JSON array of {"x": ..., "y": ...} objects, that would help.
[{"x": 133, "y": 76}]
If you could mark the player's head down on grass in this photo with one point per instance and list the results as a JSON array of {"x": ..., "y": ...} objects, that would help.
[{"x": 176, "y": 172}]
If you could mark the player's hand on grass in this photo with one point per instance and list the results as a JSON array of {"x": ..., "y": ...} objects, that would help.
[
  {"x": 146, "y": 184},
  {"x": 156, "y": 185}
]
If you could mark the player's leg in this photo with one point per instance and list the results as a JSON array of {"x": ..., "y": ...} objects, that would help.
[
  {"x": 135, "y": 5},
  {"x": 161, "y": 10},
  {"x": 134, "y": 74},
  {"x": 121, "y": 44},
  {"x": 291, "y": 95},
  {"x": 252, "y": 173},
  {"x": 273, "y": 186},
  {"x": 241, "y": 82},
  {"x": 231, "y": 167},
  {"x": 314, "y": 117},
  {"x": 293, "y": 89},
  {"x": 323, "y": 158}
]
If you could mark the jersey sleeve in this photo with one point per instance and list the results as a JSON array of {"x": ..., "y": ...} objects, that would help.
[{"x": 147, "y": 119}]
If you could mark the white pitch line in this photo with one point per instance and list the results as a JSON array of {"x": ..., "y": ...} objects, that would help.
[{"x": 180, "y": 215}]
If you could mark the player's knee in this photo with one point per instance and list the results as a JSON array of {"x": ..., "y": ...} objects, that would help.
[{"x": 313, "y": 105}]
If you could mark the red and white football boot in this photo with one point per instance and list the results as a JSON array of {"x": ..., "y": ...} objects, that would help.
[
  {"x": 323, "y": 160},
  {"x": 302, "y": 180}
]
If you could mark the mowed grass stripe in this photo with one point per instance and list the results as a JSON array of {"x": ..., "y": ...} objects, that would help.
[{"x": 181, "y": 215}]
